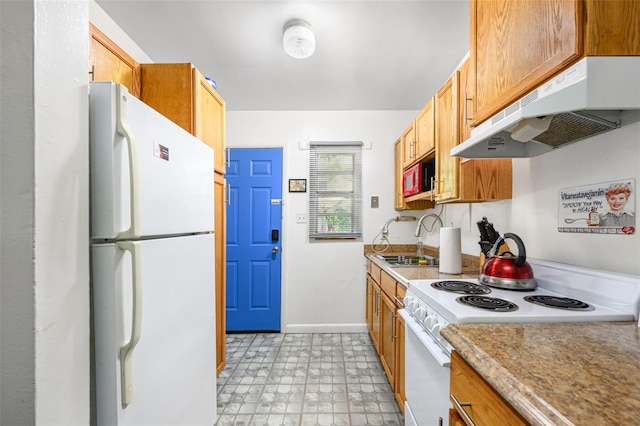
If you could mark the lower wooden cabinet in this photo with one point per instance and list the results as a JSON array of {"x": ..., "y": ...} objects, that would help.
[
  {"x": 398, "y": 385},
  {"x": 220, "y": 223},
  {"x": 387, "y": 350},
  {"x": 478, "y": 400},
  {"x": 383, "y": 299}
]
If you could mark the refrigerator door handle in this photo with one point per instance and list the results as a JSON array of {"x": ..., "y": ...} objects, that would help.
[
  {"x": 126, "y": 351},
  {"x": 122, "y": 127}
]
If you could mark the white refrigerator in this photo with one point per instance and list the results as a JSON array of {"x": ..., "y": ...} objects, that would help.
[{"x": 152, "y": 266}]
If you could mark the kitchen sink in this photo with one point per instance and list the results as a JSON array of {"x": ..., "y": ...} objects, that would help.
[{"x": 397, "y": 261}]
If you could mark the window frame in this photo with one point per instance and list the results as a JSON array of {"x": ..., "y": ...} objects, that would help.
[{"x": 328, "y": 186}]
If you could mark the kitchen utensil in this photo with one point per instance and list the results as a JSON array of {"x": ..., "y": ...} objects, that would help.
[
  {"x": 507, "y": 270},
  {"x": 488, "y": 235}
]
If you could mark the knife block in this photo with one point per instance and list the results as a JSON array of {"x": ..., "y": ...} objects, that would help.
[{"x": 503, "y": 249}]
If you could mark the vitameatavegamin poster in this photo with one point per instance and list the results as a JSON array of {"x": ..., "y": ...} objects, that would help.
[{"x": 601, "y": 208}]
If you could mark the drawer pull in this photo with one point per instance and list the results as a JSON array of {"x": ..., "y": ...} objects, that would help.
[{"x": 459, "y": 408}]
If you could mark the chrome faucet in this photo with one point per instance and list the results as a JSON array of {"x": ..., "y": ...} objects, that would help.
[{"x": 421, "y": 223}]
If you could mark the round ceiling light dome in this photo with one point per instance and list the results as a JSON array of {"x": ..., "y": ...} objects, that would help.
[{"x": 298, "y": 40}]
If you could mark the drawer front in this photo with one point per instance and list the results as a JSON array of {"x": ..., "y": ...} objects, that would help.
[
  {"x": 388, "y": 285},
  {"x": 478, "y": 399},
  {"x": 374, "y": 271},
  {"x": 401, "y": 291}
]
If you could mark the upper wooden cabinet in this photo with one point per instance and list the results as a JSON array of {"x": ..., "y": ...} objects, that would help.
[
  {"x": 182, "y": 94},
  {"x": 418, "y": 139},
  {"x": 408, "y": 139},
  {"x": 108, "y": 62},
  {"x": 517, "y": 45},
  {"x": 425, "y": 130},
  {"x": 463, "y": 180},
  {"x": 447, "y": 137}
]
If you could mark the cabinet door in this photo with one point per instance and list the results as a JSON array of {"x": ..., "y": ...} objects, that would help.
[
  {"x": 220, "y": 223},
  {"x": 447, "y": 167},
  {"x": 209, "y": 119},
  {"x": 408, "y": 143},
  {"x": 387, "y": 336},
  {"x": 425, "y": 130},
  {"x": 398, "y": 169},
  {"x": 516, "y": 45},
  {"x": 481, "y": 402},
  {"x": 374, "y": 326},
  {"x": 108, "y": 62},
  {"x": 466, "y": 96},
  {"x": 168, "y": 89},
  {"x": 399, "y": 357}
]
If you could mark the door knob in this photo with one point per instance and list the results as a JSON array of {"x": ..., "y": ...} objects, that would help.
[{"x": 274, "y": 250}]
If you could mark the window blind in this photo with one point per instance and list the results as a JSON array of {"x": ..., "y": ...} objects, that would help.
[{"x": 335, "y": 190}]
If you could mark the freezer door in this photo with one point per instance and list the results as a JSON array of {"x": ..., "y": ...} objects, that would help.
[
  {"x": 167, "y": 377},
  {"x": 148, "y": 176}
]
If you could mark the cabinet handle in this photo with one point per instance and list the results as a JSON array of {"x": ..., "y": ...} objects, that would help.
[
  {"x": 399, "y": 301},
  {"x": 377, "y": 302},
  {"x": 393, "y": 327},
  {"x": 227, "y": 161},
  {"x": 459, "y": 408},
  {"x": 228, "y": 200},
  {"x": 466, "y": 101}
]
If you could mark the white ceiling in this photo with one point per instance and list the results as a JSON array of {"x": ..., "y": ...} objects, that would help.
[{"x": 370, "y": 55}]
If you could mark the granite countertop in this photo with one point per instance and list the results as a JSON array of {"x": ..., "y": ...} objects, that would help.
[{"x": 558, "y": 373}]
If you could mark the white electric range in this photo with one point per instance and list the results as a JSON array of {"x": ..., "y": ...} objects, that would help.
[{"x": 578, "y": 295}]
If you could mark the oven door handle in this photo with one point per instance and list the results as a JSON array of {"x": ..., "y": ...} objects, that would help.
[{"x": 434, "y": 349}]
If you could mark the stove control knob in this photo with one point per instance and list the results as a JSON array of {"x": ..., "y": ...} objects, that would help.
[
  {"x": 421, "y": 313},
  {"x": 430, "y": 320},
  {"x": 436, "y": 330}
]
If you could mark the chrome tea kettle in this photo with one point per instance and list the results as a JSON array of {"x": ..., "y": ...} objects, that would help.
[{"x": 508, "y": 271}]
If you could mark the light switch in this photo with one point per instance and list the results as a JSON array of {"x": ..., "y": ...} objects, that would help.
[{"x": 374, "y": 202}]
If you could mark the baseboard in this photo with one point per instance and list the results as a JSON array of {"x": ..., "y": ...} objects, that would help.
[{"x": 325, "y": 328}]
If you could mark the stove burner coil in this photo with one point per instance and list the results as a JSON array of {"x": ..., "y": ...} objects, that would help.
[
  {"x": 559, "y": 302},
  {"x": 489, "y": 303},
  {"x": 463, "y": 287}
]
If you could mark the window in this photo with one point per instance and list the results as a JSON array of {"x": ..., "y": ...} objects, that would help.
[{"x": 335, "y": 190}]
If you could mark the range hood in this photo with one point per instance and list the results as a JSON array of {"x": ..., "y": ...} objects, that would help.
[{"x": 597, "y": 94}]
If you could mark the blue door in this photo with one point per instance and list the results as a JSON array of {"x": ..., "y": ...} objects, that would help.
[{"x": 254, "y": 219}]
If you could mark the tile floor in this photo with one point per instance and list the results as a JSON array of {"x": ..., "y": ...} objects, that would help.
[{"x": 304, "y": 379}]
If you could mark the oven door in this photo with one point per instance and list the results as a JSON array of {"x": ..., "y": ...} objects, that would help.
[{"x": 426, "y": 377}]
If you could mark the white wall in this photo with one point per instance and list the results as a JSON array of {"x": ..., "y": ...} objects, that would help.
[
  {"x": 532, "y": 214},
  {"x": 322, "y": 282},
  {"x": 45, "y": 226}
]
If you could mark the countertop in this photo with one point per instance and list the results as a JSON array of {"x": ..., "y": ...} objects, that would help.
[
  {"x": 558, "y": 373},
  {"x": 403, "y": 274},
  {"x": 551, "y": 373}
]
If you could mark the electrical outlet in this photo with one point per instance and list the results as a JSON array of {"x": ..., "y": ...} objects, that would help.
[
  {"x": 374, "y": 202},
  {"x": 301, "y": 218}
]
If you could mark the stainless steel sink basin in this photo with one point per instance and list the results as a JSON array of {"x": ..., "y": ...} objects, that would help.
[{"x": 396, "y": 261}]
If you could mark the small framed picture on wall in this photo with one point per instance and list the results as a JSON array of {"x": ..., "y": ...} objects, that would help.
[{"x": 297, "y": 185}]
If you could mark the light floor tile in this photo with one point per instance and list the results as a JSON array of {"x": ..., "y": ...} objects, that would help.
[{"x": 304, "y": 379}]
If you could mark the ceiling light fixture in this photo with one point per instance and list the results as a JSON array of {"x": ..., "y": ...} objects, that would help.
[{"x": 298, "y": 40}]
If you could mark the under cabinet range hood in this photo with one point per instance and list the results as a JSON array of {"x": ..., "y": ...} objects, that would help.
[{"x": 597, "y": 94}]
